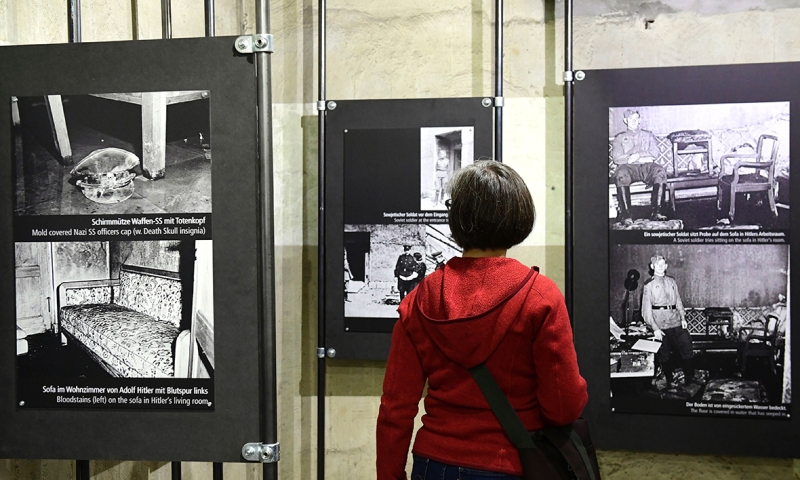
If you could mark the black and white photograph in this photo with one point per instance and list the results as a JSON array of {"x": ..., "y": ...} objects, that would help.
[
  {"x": 700, "y": 330},
  {"x": 119, "y": 309},
  {"x": 383, "y": 263},
  {"x": 699, "y": 167},
  {"x": 443, "y": 151},
  {"x": 112, "y": 153}
]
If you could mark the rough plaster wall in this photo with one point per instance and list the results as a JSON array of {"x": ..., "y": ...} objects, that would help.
[
  {"x": 39, "y": 21},
  {"x": 105, "y": 20}
]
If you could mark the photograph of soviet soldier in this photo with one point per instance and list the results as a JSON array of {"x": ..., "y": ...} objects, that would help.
[
  {"x": 634, "y": 152},
  {"x": 663, "y": 312}
]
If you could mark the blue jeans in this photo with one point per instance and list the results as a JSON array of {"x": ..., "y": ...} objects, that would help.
[{"x": 425, "y": 469}]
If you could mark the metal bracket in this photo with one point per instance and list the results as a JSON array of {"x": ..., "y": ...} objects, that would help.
[
  {"x": 493, "y": 102},
  {"x": 322, "y": 353},
  {"x": 261, "y": 452},
  {"x": 254, "y": 43},
  {"x": 578, "y": 75},
  {"x": 321, "y": 105}
]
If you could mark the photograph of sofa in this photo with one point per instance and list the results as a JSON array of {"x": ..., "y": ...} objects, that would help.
[
  {"x": 692, "y": 167},
  {"x": 126, "y": 309}
]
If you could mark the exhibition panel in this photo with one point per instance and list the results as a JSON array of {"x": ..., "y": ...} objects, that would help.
[
  {"x": 685, "y": 265},
  {"x": 137, "y": 317}
]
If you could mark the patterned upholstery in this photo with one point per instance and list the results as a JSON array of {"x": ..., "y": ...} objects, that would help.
[
  {"x": 723, "y": 141},
  {"x": 130, "y": 342},
  {"x": 130, "y": 326},
  {"x": 158, "y": 297},
  {"x": 697, "y": 321},
  {"x": 664, "y": 155}
]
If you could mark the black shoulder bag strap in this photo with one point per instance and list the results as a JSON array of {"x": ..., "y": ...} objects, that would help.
[{"x": 564, "y": 438}]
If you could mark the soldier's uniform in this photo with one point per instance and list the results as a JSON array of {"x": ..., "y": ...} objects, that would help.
[
  {"x": 643, "y": 143},
  {"x": 663, "y": 310},
  {"x": 405, "y": 271}
]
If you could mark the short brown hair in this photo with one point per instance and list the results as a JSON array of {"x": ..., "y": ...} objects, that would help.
[{"x": 490, "y": 206}]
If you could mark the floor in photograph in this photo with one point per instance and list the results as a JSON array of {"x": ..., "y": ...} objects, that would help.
[
  {"x": 44, "y": 187},
  {"x": 752, "y": 212},
  {"x": 48, "y": 357},
  {"x": 718, "y": 377}
]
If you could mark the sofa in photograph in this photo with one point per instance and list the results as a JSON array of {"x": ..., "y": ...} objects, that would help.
[{"x": 128, "y": 325}]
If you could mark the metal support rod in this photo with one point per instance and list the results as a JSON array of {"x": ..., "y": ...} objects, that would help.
[
  {"x": 216, "y": 471},
  {"x": 568, "y": 160},
  {"x": 166, "y": 19},
  {"x": 74, "y": 21},
  {"x": 135, "y": 19},
  {"x": 321, "y": 367},
  {"x": 176, "y": 473},
  {"x": 210, "y": 18},
  {"x": 498, "y": 81},
  {"x": 83, "y": 469},
  {"x": 267, "y": 335}
]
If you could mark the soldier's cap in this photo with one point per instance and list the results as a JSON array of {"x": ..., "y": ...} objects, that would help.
[
  {"x": 655, "y": 258},
  {"x": 629, "y": 113},
  {"x": 406, "y": 247},
  {"x": 418, "y": 255}
]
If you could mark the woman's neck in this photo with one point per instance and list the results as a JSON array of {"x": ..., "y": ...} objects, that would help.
[{"x": 480, "y": 253}]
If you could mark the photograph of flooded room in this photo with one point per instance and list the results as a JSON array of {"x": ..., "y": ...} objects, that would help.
[
  {"x": 383, "y": 263},
  {"x": 112, "y": 153},
  {"x": 699, "y": 167},
  {"x": 724, "y": 316},
  {"x": 114, "y": 309},
  {"x": 443, "y": 151}
]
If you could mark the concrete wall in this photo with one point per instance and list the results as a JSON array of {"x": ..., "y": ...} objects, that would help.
[{"x": 414, "y": 49}]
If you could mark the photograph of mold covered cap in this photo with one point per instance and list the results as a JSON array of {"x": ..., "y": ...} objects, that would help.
[{"x": 112, "y": 153}]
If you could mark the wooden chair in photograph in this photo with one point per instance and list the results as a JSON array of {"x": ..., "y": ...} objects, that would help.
[
  {"x": 762, "y": 340},
  {"x": 749, "y": 173},
  {"x": 687, "y": 172}
]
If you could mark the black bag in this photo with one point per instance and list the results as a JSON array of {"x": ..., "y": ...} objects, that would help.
[{"x": 551, "y": 453}]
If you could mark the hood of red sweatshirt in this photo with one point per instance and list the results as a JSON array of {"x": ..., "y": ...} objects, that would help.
[{"x": 467, "y": 307}]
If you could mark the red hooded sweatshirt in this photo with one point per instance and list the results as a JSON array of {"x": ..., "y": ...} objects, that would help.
[{"x": 493, "y": 310}]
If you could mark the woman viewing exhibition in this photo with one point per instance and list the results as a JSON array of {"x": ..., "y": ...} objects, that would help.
[{"x": 481, "y": 307}]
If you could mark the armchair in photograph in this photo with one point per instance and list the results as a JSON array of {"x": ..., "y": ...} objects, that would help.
[
  {"x": 748, "y": 173},
  {"x": 765, "y": 337}
]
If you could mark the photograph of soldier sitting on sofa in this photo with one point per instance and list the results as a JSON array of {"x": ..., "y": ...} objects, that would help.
[
  {"x": 119, "y": 309},
  {"x": 687, "y": 167},
  {"x": 699, "y": 323}
]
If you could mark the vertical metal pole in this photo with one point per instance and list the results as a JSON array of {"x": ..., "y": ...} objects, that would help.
[
  {"x": 176, "y": 473},
  {"x": 166, "y": 19},
  {"x": 210, "y": 19},
  {"x": 216, "y": 471},
  {"x": 135, "y": 19},
  {"x": 267, "y": 340},
  {"x": 568, "y": 86},
  {"x": 83, "y": 470},
  {"x": 74, "y": 21},
  {"x": 321, "y": 367},
  {"x": 82, "y": 467},
  {"x": 498, "y": 82}
]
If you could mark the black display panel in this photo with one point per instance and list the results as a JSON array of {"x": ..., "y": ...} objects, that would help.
[
  {"x": 130, "y": 204},
  {"x": 387, "y": 167},
  {"x": 683, "y": 257}
]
